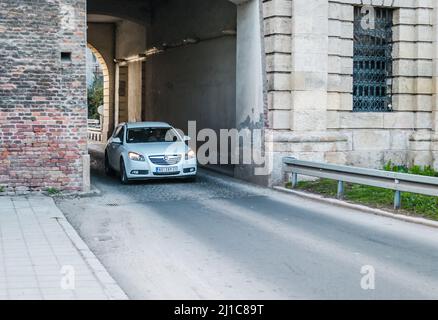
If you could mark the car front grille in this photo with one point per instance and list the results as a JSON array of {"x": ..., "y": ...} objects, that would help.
[{"x": 168, "y": 160}]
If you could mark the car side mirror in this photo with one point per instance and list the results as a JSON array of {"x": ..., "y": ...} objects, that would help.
[
  {"x": 117, "y": 140},
  {"x": 187, "y": 138}
]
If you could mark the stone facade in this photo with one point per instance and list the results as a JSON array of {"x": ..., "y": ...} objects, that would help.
[
  {"x": 43, "y": 113},
  {"x": 309, "y": 46}
]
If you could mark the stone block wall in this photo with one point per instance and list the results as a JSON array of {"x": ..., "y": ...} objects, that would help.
[
  {"x": 380, "y": 137},
  {"x": 43, "y": 112},
  {"x": 309, "y": 49},
  {"x": 277, "y": 17}
]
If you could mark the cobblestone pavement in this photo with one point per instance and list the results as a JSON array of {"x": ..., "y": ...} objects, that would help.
[{"x": 42, "y": 257}]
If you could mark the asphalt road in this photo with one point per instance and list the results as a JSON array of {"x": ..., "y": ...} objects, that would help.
[{"x": 220, "y": 238}]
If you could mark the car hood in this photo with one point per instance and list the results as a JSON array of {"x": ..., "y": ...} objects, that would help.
[{"x": 158, "y": 148}]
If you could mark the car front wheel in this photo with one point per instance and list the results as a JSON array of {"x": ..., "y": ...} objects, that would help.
[
  {"x": 108, "y": 170},
  {"x": 123, "y": 177}
]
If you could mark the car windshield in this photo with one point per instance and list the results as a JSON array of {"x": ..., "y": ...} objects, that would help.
[{"x": 151, "y": 135}]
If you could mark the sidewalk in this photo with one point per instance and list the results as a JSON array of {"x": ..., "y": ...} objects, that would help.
[{"x": 42, "y": 256}]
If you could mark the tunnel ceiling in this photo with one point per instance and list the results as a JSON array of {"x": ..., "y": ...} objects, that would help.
[
  {"x": 138, "y": 11},
  {"x": 135, "y": 10}
]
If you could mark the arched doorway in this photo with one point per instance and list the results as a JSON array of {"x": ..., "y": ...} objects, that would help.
[{"x": 100, "y": 133}]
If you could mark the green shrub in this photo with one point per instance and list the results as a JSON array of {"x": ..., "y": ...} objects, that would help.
[
  {"x": 53, "y": 191},
  {"x": 419, "y": 170},
  {"x": 95, "y": 98}
]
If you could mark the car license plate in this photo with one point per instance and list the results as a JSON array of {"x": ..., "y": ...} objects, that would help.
[{"x": 167, "y": 169}]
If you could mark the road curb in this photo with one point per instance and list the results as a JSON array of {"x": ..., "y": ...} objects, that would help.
[
  {"x": 109, "y": 285},
  {"x": 92, "y": 193},
  {"x": 359, "y": 207}
]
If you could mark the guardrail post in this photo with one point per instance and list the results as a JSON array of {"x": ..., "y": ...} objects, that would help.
[
  {"x": 340, "y": 194},
  {"x": 397, "y": 200},
  {"x": 294, "y": 179}
]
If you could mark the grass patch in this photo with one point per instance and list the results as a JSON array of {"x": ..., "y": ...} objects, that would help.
[
  {"x": 412, "y": 204},
  {"x": 53, "y": 191}
]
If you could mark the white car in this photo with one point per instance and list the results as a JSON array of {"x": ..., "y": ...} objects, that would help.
[{"x": 147, "y": 150}]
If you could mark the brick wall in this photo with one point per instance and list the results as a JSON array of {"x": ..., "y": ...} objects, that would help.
[{"x": 42, "y": 97}]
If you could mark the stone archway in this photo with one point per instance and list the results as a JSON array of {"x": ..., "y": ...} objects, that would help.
[
  {"x": 105, "y": 125},
  {"x": 174, "y": 71}
]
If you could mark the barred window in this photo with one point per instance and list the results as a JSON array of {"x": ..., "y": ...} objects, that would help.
[{"x": 372, "y": 69}]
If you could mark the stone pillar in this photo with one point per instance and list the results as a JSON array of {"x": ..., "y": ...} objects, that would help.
[
  {"x": 309, "y": 65},
  {"x": 277, "y": 15},
  {"x": 434, "y": 138},
  {"x": 250, "y": 96},
  {"x": 421, "y": 142},
  {"x": 116, "y": 95},
  {"x": 134, "y": 91}
]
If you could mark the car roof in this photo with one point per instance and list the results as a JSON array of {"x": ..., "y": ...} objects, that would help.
[{"x": 148, "y": 124}]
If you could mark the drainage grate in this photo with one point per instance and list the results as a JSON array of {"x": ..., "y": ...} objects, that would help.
[{"x": 112, "y": 204}]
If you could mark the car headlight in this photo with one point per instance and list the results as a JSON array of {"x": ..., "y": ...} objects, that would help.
[
  {"x": 190, "y": 155},
  {"x": 136, "y": 157}
]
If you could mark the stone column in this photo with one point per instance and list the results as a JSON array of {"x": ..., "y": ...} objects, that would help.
[
  {"x": 134, "y": 91},
  {"x": 434, "y": 144},
  {"x": 277, "y": 15},
  {"x": 249, "y": 85},
  {"x": 420, "y": 85},
  {"x": 116, "y": 95},
  {"x": 309, "y": 65}
]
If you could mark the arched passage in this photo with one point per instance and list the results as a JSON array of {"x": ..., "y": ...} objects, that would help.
[
  {"x": 105, "y": 125},
  {"x": 194, "y": 61}
]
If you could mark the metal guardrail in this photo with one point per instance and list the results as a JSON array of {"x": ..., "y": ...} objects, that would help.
[{"x": 399, "y": 182}]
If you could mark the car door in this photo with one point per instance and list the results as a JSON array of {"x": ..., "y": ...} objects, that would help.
[
  {"x": 117, "y": 148},
  {"x": 109, "y": 147},
  {"x": 113, "y": 147}
]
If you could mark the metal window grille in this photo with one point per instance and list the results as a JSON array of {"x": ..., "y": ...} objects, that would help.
[{"x": 372, "y": 69}]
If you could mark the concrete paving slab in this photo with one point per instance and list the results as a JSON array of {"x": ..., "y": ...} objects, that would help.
[{"x": 42, "y": 257}]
